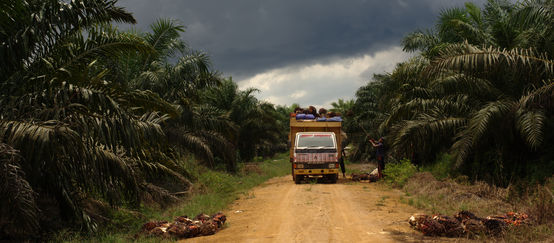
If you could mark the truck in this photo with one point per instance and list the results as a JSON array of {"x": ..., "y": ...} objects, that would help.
[{"x": 315, "y": 149}]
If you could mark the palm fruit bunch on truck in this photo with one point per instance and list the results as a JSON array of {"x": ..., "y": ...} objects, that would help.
[{"x": 184, "y": 227}]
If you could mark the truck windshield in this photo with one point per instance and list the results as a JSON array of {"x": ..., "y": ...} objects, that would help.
[{"x": 315, "y": 140}]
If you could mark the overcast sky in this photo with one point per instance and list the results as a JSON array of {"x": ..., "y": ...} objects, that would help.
[{"x": 310, "y": 52}]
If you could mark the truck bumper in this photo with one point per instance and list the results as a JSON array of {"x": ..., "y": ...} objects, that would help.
[{"x": 315, "y": 171}]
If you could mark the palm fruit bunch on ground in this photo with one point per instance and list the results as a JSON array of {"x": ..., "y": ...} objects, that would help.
[
  {"x": 465, "y": 224},
  {"x": 184, "y": 227},
  {"x": 364, "y": 176}
]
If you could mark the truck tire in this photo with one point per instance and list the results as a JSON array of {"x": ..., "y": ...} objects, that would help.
[
  {"x": 333, "y": 178},
  {"x": 298, "y": 179}
]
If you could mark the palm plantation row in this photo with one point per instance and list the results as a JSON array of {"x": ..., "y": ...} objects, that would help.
[
  {"x": 480, "y": 89},
  {"x": 90, "y": 111}
]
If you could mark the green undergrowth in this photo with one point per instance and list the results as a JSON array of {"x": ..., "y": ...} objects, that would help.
[
  {"x": 213, "y": 191},
  {"x": 397, "y": 174},
  {"x": 442, "y": 167},
  {"x": 218, "y": 189}
]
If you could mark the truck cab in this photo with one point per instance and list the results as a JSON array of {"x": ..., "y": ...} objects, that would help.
[
  {"x": 315, "y": 150},
  {"x": 315, "y": 155}
]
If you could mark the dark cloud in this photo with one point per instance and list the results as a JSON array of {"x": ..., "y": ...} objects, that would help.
[{"x": 244, "y": 37}]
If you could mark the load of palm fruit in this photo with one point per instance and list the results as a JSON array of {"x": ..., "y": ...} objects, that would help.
[
  {"x": 184, "y": 227},
  {"x": 465, "y": 223}
]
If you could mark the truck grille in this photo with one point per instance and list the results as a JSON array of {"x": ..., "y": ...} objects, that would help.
[
  {"x": 316, "y": 166},
  {"x": 316, "y": 157},
  {"x": 314, "y": 151}
]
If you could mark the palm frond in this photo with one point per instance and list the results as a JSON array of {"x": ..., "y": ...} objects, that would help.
[
  {"x": 18, "y": 198},
  {"x": 532, "y": 14},
  {"x": 39, "y": 140},
  {"x": 542, "y": 97},
  {"x": 470, "y": 59},
  {"x": 411, "y": 72},
  {"x": 52, "y": 148},
  {"x": 465, "y": 84},
  {"x": 113, "y": 175},
  {"x": 165, "y": 40},
  {"x": 530, "y": 125},
  {"x": 49, "y": 23},
  {"x": 478, "y": 35},
  {"x": 211, "y": 118},
  {"x": 479, "y": 123},
  {"x": 447, "y": 23},
  {"x": 222, "y": 147},
  {"x": 156, "y": 170},
  {"x": 191, "y": 141},
  {"x": 410, "y": 109},
  {"x": 146, "y": 100},
  {"x": 424, "y": 132},
  {"x": 419, "y": 41},
  {"x": 101, "y": 42}
]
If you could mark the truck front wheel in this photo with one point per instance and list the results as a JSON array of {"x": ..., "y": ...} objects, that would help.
[
  {"x": 333, "y": 178},
  {"x": 298, "y": 179}
]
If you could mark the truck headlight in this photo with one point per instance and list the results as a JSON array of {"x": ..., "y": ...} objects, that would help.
[
  {"x": 331, "y": 166},
  {"x": 300, "y": 166}
]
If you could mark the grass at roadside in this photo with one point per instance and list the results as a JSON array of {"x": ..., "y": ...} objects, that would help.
[
  {"x": 218, "y": 189},
  {"x": 213, "y": 191}
]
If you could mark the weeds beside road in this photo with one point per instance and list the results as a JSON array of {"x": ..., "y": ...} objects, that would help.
[
  {"x": 213, "y": 191},
  {"x": 450, "y": 195}
]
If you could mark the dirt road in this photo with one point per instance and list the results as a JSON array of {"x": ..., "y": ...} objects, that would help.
[{"x": 281, "y": 211}]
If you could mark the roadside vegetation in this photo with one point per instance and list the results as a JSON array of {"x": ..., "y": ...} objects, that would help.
[
  {"x": 468, "y": 121},
  {"x": 94, "y": 119},
  {"x": 424, "y": 190},
  {"x": 480, "y": 89},
  {"x": 213, "y": 191}
]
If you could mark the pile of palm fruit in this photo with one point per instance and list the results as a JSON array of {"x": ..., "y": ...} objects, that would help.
[
  {"x": 184, "y": 227},
  {"x": 465, "y": 223},
  {"x": 371, "y": 177}
]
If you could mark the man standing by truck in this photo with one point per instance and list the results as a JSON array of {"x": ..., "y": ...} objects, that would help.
[
  {"x": 341, "y": 162},
  {"x": 379, "y": 154}
]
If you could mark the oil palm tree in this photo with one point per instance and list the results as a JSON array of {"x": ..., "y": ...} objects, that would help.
[
  {"x": 369, "y": 110},
  {"x": 76, "y": 132},
  {"x": 468, "y": 106},
  {"x": 469, "y": 93},
  {"x": 342, "y": 106},
  {"x": 499, "y": 23},
  {"x": 514, "y": 111},
  {"x": 257, "y": 125},
  {"x": 199, "y": 129}
]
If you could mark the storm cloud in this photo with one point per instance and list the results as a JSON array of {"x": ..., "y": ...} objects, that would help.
[{"x": 277, "y": 39}]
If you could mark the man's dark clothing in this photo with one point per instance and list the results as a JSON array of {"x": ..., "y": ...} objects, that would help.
[{"x": 380, "y": 154}]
